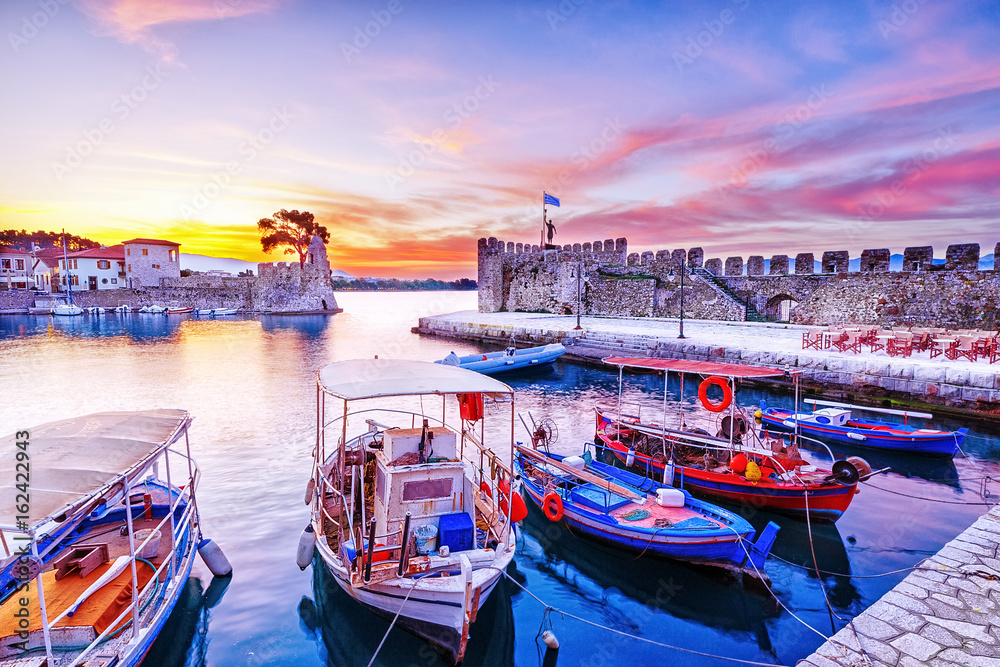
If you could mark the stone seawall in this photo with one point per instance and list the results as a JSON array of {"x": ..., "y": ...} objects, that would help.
[{"x": 955, "y": 384}]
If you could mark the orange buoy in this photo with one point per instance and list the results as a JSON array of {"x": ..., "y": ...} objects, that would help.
[
  {"x": 484, "y": 486},
  {"x": 738, "y": 463},
  {"x": 552, "y": 505},
  {"x": 727, "y": 394}
]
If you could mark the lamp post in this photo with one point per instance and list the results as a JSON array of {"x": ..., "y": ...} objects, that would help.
[
  {"x": 579, "y": 295},
  {"x": 681, "y": 335}
]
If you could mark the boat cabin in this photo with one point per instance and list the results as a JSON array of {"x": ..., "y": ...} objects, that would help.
[
  {"x": 830, "y": 416},
  {"x": 436, "y": 492}
]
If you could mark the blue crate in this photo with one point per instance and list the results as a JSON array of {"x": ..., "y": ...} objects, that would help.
[
  {"x": 456, "y": 531},
  {"x": 597, "y": 498}
]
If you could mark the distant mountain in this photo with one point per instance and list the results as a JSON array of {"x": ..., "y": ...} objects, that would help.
[
  {"x": 206, "y": 263},
  {"x": 337, "y": 273},
  {"x": 234, "y": 266}
]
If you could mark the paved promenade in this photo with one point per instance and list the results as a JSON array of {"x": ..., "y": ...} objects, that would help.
[
  {"x": 961, "y": 383},
  {"x": 947, "y": 613}
]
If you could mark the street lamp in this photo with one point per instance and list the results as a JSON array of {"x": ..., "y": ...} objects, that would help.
[
  {"x": 580, "y": 277},
  {"x": 681, "y": 269}
]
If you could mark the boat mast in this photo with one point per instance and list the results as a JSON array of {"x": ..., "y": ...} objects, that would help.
[{"x": 69, "y": 278}]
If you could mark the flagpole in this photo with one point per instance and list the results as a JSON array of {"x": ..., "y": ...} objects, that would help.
[{"x": 544, "y": 222}]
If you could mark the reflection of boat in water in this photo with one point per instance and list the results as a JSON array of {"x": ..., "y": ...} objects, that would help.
[
  {"x": 184, "y": 638},
  {"x": 350, "y": 636},
  {"x": 703, "y": 595},
  {"x": 311, "y": 325}
]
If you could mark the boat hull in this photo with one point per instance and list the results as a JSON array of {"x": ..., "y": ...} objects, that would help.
[
  {"x": 435, "y": 609},
  {"x": 860, "y": 433},
  {"x": 823, "y": 502},
  {"x": 692, "y": 548},
  {"x": 494, "y": 363}
]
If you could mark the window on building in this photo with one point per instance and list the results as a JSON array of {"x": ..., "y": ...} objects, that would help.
[
  {"x": 145, "y": 251},
  {"x": 19, "y": 264},
  {"x": 128, "y": 251},
  {"x": 103, "y": 264},
  {"x": 173, "y": 255},
  {"x": 156, "y": 266},
  {"x": 4, "y": 263},
  {"x": 76, "y": 280},
  {"x": 104, "y": 281},
  {"x": 130, "y": 268},
  {"x": 114, "y": 281},
  {"x": 73, "y": 264}
]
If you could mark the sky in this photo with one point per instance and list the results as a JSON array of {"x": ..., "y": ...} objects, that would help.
[{"x": 412, "y": 128}]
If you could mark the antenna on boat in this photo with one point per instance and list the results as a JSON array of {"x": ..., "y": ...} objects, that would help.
[
  {"x": 423, "y": 441},
  {"x": 69, "y": 277}
]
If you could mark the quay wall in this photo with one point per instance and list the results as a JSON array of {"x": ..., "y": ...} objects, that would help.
[
  {"x": 944, "y": 613},
  {"x": 604, "y": 278},
  {"x": 975, "y": 389}
]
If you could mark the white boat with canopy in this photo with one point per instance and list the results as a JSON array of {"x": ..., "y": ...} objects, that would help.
[
  {"x": 410, "y": 517},
  {"x": 97, "y": 545}
]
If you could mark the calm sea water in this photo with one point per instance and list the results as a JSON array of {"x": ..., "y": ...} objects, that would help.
[{"x": 250, "y": 384}]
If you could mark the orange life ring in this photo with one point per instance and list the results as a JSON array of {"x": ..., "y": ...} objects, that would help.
[
  {"x": 727, "y": 394},
  {"x": 552, "y": 505}
]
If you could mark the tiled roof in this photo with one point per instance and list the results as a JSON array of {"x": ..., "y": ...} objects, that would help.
[
  {"x": 151, "y": 242},
  {"x": 110, "y": 252}
]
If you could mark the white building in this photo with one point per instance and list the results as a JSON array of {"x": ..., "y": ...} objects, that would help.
[
  {"x": 95, "y": 268},
  {"x": 15, "y": 269},
  {"x": 148, "y": 260}
]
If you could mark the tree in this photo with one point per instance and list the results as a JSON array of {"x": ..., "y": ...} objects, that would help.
[{"x": 291, "y": 229}]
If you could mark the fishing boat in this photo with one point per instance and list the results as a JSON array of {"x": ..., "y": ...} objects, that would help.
[
  {"x": 510, "y": 359},
  {"x": 737, "y": 465},
  {"x": 637, "y": 514},
  {"x": 834, "y": 422},
  {"x": 411, "y": 517},
  {"x": 214, "y": 312},
  {"x": 179, "y": 310},
  {"x": 96, "y": 310},
  {"x": 125, "y": 308},
  {"x": 99, "y": 545},
  {"x": 66, "y": 309}
]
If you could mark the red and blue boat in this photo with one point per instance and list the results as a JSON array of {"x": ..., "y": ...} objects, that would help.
[
  {"x": 635, "y": 514},
  {"x": 835, "y": 423},
  {"x": 717, "y": 467}
]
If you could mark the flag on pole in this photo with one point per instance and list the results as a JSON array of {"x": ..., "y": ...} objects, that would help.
[{"x": 549, "y": 199}]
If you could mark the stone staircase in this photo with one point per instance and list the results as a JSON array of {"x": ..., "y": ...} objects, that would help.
[{"x": 720, "y": 286}]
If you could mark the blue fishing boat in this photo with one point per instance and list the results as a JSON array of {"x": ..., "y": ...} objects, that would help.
[
  {"x": 507, "y": 360},
  {"x": 835, "y": 423},
  {"x": 635, "y": 514}
]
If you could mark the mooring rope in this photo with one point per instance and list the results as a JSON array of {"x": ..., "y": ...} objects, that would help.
[
  {"x": 932, "y": 500},
  {"x": 386, "y": 635}
]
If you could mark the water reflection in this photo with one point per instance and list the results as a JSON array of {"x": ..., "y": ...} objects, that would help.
[
  {"x": 183, "y": 641},
  {"x": 310, "y": 325},
  {"x": 349, "y": 634},
  {"x": 709, "y": 596}
]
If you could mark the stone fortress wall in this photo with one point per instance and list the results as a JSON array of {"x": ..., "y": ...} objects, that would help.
[{"x": 612, "y": 281}]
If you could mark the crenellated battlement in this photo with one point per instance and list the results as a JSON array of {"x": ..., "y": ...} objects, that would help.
[{"x": 603, "y": 277}]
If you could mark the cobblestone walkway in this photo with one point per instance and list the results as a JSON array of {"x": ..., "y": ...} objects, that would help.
[{"x": 946, "y": 613}]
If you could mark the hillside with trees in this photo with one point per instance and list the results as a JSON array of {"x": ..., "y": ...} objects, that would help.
[
  {"x": 396, "y": 285},
  {"x": 24, "y": 239}
]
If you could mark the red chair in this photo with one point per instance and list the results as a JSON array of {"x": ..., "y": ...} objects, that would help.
[
  {"x": 812, "y": 338},
  {"x": 941, "y": 346},
  {"x": 966, "y": 348},
  {"x": 900, "y": 346},
  {"x": 879, "y": 343},
  {"x": 850, "y": 341}
]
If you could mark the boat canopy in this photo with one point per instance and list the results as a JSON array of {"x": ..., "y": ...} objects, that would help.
[
  {"x": 373, "y": 378},
  {"x": 72, "y": 459},
  {"x": 700, "y": 367}
]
